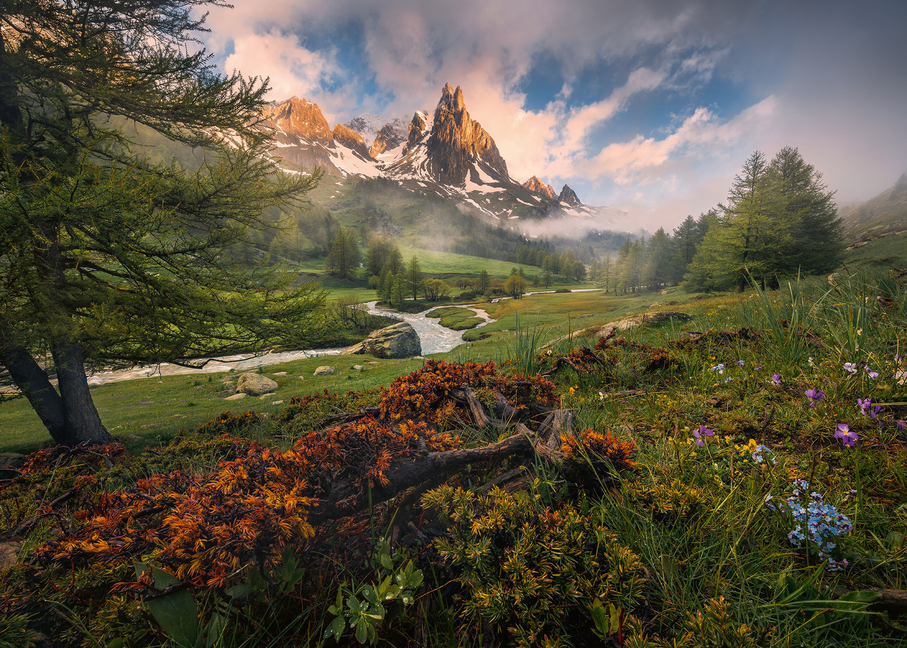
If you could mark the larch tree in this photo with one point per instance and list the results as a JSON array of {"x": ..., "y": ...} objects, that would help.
[
  {"x": 780, "y": 220},
  {"x": 414, "y": 277},
  {"x": 344, "y": 257},
  {"x": 105, "y": 255}
]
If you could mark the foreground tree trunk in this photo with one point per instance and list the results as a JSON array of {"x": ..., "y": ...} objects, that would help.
[{"x": 70, "y": 415}]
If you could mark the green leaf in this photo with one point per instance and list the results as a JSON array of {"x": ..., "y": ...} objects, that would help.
[
  {"x": 175, "y": 612},
  {"x": 600, "y": 618},
  {"x": 240, "y": 591},
  {"x": 370, "y": 594},
  {"x": 361, "y": 633},
  {"x": 386, "y": 562}
]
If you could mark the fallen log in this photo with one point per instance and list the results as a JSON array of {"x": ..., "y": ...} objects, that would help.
[{"x": 344, "y": 497}]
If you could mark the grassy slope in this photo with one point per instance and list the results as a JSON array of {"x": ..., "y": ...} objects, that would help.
[{"x": 153, "y": 408}]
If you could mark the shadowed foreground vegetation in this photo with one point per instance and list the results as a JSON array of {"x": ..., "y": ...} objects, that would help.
[{"x": 735, "y": 480}]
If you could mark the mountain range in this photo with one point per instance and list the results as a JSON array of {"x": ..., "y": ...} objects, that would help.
[{"x": 446, "y": 153}]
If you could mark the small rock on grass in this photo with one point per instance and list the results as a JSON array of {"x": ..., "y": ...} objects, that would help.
[
  {"x": 324, "y": 370},
  {"x": 238, "y": 396}
]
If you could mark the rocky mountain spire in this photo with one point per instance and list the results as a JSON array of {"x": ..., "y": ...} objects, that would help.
[
  {"x": 569, "y": 197},
  {"x": 389, "y": 137},
  {"x": 416, "y": 129},
  {"x": 456, "y": 141},
  {"x": 535, "y": 185},
  {"x": 300, "y": 118}
]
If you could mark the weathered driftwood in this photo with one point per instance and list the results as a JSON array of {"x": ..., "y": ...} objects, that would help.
[{"x": 344, "y": 497}]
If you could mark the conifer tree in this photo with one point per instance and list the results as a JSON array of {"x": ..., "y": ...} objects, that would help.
[
  {"x": 343, "y": 259},
  {"x": 107, "y": 256},
  {"x": 414, "y": 277},
  {"x": 483, "y": 282}
]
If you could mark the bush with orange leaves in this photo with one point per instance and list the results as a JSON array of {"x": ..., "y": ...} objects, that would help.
[
  {"x": 206, "y": 528},
  {"x": 591, "y": 456},
  {"x": 426, "y": 394}
]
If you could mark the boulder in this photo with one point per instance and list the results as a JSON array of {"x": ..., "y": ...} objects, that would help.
[
  {"x": 397, "y": 341},
  {"x": 255, "y": 384},
  {"x": 324, "y": 370}
]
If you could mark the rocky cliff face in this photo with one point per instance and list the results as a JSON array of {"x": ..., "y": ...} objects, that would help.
[
  {"x": 457, "y": 140},
  {"x": 569, "y": 197},
  {"x": 537, "y": 186},
  {"x": 389, "y": 137},
  {"x": 417, "y": 128},
  {"x": 351, "y": 140},
  {"x": 300, "y": 131},
  {"x": 298, "y": 119}
]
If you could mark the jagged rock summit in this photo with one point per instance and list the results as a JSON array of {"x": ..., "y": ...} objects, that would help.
[
  {"x": 351, "y": 140},
  {"x": 568, "y": 197},
  {"x": 456, "y": 140},
  {"x": 298, "y": 118},
  {"x": 537, "y": 186},
  {"x": 447, "y": 154}
]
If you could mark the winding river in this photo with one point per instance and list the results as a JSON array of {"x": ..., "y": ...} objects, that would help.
[{"x": 434, "y": 338}]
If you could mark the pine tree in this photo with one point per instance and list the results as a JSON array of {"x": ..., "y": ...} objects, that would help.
[
  {"x": 483, "y": 282},
  {"x": 398, "y": 291},
  {"x": 343, "y": 259},
  {"x": 802, "y": 202},
  {"x": 108, "y": 256},
  {"x": 414, "y": 277}
]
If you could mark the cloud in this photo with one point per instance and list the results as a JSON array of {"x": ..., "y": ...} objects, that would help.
[{"x": 732, "y": 76}]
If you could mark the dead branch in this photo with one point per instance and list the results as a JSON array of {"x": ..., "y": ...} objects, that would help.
[
  {"x": 343, "y": 498},
  {"x": 349, "y": 417},
  {"x": 476, "y": 408}
]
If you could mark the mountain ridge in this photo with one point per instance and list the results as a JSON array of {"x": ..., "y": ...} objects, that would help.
[{"x": 447, "y": 153}]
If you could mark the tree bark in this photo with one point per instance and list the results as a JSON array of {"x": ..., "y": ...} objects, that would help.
[
  {"x": 344, "y": 498},
  {"x": 70, "y": 415},
  {"x": 35, "y": 386},
  {"x": 83, "y": 423}
]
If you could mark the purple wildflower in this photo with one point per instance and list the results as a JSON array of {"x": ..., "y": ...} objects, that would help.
[
  {"x": 872, "y": 374},
  {"x": 848, "y": 437},
  {"x": 850, "y": 367},
  {"x": 864, "y": 404},
  {"x": 776, "y": 379},
  {"x": 814, "y": 396}
]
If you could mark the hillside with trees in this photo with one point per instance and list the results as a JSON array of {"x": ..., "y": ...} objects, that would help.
[{"x": 110, "y": 256}]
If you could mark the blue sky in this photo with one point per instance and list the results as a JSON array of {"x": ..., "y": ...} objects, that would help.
[{"x": 649, "y": 106}]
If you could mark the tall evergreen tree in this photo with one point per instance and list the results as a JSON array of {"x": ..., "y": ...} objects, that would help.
[
  {"x": 414, "y": 277},
  {"x": 659, "y": 256},
  {"x": 108, "y": 256},
  {"x": 780, "y": 220},
  {"x": 803, "y": 203},
  {"x": 343, "y": 259},
  {"x": 483, "y": 282}
]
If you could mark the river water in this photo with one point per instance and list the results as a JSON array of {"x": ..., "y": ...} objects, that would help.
[{"x": 434, "y": 338}]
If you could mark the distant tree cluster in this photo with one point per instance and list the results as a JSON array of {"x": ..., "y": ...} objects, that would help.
[{"x": 780, "y": 220}]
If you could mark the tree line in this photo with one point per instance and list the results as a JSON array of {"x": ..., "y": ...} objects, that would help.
[{"x": 780, "y": 219}]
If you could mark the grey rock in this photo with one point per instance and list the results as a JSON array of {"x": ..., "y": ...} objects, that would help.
[
  {"x": 397, "y": 341},
  {"x": 255, "y": 384},
  {"x": 323, "y": 370}
]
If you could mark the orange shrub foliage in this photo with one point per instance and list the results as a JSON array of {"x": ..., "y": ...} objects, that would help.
[
  {"x": 367, "y": 447},
  {"x": 599, "y": 447},
  {"x": 202, "y": 528},
  {"x": 425, "y": 394}
]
